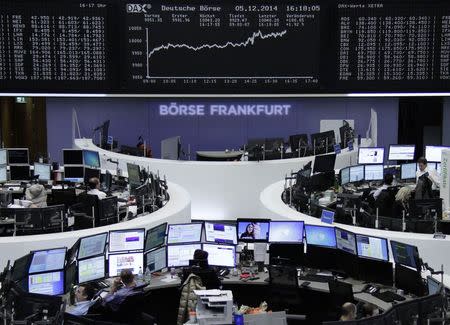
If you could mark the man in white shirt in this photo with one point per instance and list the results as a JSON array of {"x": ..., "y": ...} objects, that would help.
[
  {"x": 83, "y": 300},
  {"x": 94, "y": 188},
  {"x": 388, "y": 179},
  {"x": 423, "y": 169}
]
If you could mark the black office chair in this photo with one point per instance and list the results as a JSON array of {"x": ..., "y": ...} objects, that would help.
[
  {"x": 284, "y": 288},
  {"x": 53, "y": 218},
  {"x": 68, "y": 197},
  {"x": 28, "y": 221},
  {"x": 299, "y": 145},
  {"x": 131, "y": 309},
  {"x": 108, "y": 211},
  {"x": 340, "y": 293},
  {"x": 85, "y": 211}
]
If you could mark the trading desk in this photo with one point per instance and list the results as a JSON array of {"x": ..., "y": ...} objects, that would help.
[{"x": 219, "y": 155}]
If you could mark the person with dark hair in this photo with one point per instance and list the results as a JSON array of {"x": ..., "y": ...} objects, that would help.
[
  {"x": 200, "y": 255},
  {"x": 368, "y": 310},
  {"x": 83, "y": 300},
  {"x": 94, "y": 188},
  {"x": 199, "y": 266},
  {"x": 424, "y": 171},
  {"x": 387, "y": 182},
  {"x": 117, "y": 294},
  {"x": 348, "y": 312}
]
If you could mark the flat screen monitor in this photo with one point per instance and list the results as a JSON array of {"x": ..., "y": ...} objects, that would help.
[
  {"x": 48, "y": 260},
  {"x": 286, "y": 231},
  {"x": 251, "y": 230},
  {"x": 74, "y": 174},
  {"x": 134, "y": 174},
  {"x": 156, "y": 236},
  {"x": 3, "y": 157},
  {"x": 434, "y": 286},
  {"x": 405, "y": 254},
  {"x": 324, "y": 163},
  {"x": 372, "y": 247},
  {"x": 18, "y": 156},
  {"x": 3, "y": 174},
  {"x": 72, "y": 157},
  {"x": 346, "y": 241},
  {"x": 179, "y": 255},
  {"x": 19, "y": 172},
  {"x": 357, "y": 173},
  {"x": 20, "y": 268},
  {"x": 184, "y": 233},
  {"x": 220, "y": 233},
  {"x": 221, "y": 255},
  {"x": 370, "y": 155},
  {"x": 156, "y": 259},
  {"x": 320, "y": 236},
  {"x": 408, "y": 171},
  {"x": 373, "y": 172},
  {"x": 43, "y": 170},
  {"x": 126, "y": 240},
  {"x": 433, "y": 153},
  {"x": 51, "y": 283},
  {"x": 91, "y": 173},
  {"x": 409, "y": 280},
  {"x": 401, "y": 152},
  {"x": 126, "y": 261},
  {"x": 91, "y": 269},
  {"x": 92, "y": 245},
  {"x": 345, "y": 175},
  {"x": 91, "y": 158}
]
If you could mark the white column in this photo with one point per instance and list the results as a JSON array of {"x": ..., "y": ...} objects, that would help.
[{"x": 445, "y": 182}]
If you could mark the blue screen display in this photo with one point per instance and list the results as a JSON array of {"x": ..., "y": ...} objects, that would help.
[
  {"x": 372, "y": 247},
  {"x": 249, "y": 230},
  {"x": 91, "y": 158},
  {"x": 46, "y": 283},
  {"x": 286, "y": 231},
  {"x": 320, "y": 236}
]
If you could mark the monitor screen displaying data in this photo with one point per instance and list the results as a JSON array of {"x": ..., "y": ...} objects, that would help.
[
  {"x": 43, "y": 170},
  {"x": 401, "y": 152},
  {"x": 91, "y": 269},
  {"x": 220, "y": 233},
  {"x": 51, "y": 283},
  {"x": 72, "y": 157},
  {"x": 3, "y": 157},
  {"x": 18, "y": 156},
  {"x": 405, "y": 254},
  {"x": 19, "y": 172},
  {"x": 221, "y": 255},
  {"x": 184, "y": 233},
  {"x": 179, "y": 255},
  {"x": 155, "y": 236},
  {"x": 408, "y": 171},
  {"x": 286, "y": 231},
  {"x": 74, "y": 174},
  {"x": 126, "y": 240},
  {"x": 345, "y": 175},
  {"x": 252, "y": 230},
  {"x": 373, "y": 172},
  {"x": 357, "y": 173},
  {"x": 320, "y": 236},
  {"x": 92, "y": 245},
  {"x": 372, "y": 247},
  {"x": 3, "y": 174},
  {"x": 345, "y": 240},
  {"x": 48, "y": 260},
  {"x": 433, "y": 153},
  {"x": 91, "y": 158},
  {"x": 371, "y": 156},
  {"x": 130, "y": 261},
  {"x": 156, "y": 260}
]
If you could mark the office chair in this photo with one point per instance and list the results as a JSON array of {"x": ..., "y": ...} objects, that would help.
[
  {"x": 299, "y": 143},
  {"x": 284, "y": 288},
  {"x": 340, "y": 293},
  {"x": 53, "y": 218},
  {"x": 85, "y": 211},
  {"x": 68, "y": 197},
  {"x": 28, "y": 221},
  {"x": 108, "y": 211}
]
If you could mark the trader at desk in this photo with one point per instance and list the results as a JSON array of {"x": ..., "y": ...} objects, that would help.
[
  {"x": 423, "y": 170},
  {"x": 387, "y": 182},
  {"x": 200, "y": 267},
  {"x": 94, "y": 188},
  {"x": 116, "y": 295},
  {"x": 83, "y": 300}
]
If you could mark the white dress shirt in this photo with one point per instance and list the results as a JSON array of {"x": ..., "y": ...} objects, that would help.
[
  {"x": 432, "y": 175},
  {"x": 101, "y": 195}
]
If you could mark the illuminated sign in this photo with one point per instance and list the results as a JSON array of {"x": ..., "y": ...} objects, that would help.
[{"x": 174, "y": 109}]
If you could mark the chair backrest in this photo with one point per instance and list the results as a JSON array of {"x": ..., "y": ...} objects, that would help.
[
  {"x": 107, "y": 210},
  {"x": 283, "y": 275},
  {"x": 131, "y": 308},
  {"x": 340, "y": 292},
  {"x": 51, "y": 216},
  {"x": 67, "y": 197},
  {"x": 89, "y": 201},
  {"x": 28, "y": 220}
]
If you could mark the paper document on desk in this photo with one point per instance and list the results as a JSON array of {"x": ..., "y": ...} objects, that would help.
[
  {"x": 169, "y": 279},
  {"x": 213, "y": 292}
]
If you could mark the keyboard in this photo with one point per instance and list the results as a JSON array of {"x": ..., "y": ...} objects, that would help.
[
  {"x": 388, "y": 296},
  {"x": 316, "y": 278}
]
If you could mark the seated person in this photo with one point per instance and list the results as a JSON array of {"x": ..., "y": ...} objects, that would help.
[
  {"x": 431, "y": 174},
  {"x": 37, "y": 194},
  {"x": 94, "y": 188},
  {"x": 200, "y": 267},
  {"x": 83, "y": 300},
  {"x": 368, "y": 310},
  {"x": 387, "y": 182},
  {"x": 348, "y": 312},
  {"x": 116, "y": 295}
]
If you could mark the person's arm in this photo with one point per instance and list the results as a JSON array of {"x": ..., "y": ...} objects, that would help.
[
  {"x": 433, "y": 176},
  {"x": 112, "y": 290}
]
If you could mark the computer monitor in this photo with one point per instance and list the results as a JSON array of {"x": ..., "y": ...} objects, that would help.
[
  {"x": 19, "y": 172},
  {"x": 377, "y": 271},
  {"x": 184, "y": 233},
  {"x": 74, "y": 174},
  {"x": 3, "y": 157},
  {"x": 357, "y": 173},
  {"x": 286, "y": 231},
  {"x": 48, "y": 260},
  {"x": 91, "y": 173},
  {"x": 156, "y": 259},
  {"x": 370, "y": 155},
  {"x": 373, "y": 172},
  {"x": 179, "y": 255},
  {"x": 126, "y": 240},
  {"x": 50, "y": 283},
  {"x": 20, "y": 267},
  {"x": 345, "y": 175},
  {"x": 286, "y": 254},
  {"x": 134, "y": 174},
  {"x": 324, "y": 163},
  {"x": 425, "y": 208},
  {"x": 156, "y": 236},
  {"x": 18, "y": 156},
  {"x": 409, "y": 280},
  {"x": 345, "y": 240},
  {"x": 253, "y": 230},
  {"x": 72, "y": 157},
  {"x": 320, "y": 236},
  {"x": 372, "y": 247},
  {"x": 323, "y": 142},
  {"x": 405, "y": 254},
  {"x": 221, "y": 255},
  {"x": 91, "y": 269},
  {"x": 43, "y": 170},
  {"x": 91, "y": 158},
  {"x": 433, "y": 153},
  {"x": 92, "y": 245},
  {"x": 3, "y": 174},
  {"x": 125, "y": 261},
  {"x": 401, "y": 152},
  {"x": 434, "y": 286},
  {"x": 220, "y": 233},
  {"x": 408, "y": 171}
]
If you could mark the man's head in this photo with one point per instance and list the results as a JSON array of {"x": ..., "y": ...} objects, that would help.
[
  {"x": 388, "y": 179},
  {"x": 348, "y": 311},
  {"x": 422, "y": 162},
  {"x": 127, "y": 277},
  {"x": 94, "y": 183},
  {"x": 84, "y": 292},
  {"x": 200, "y": 255},
  {"x": 368, "y": 309}
]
